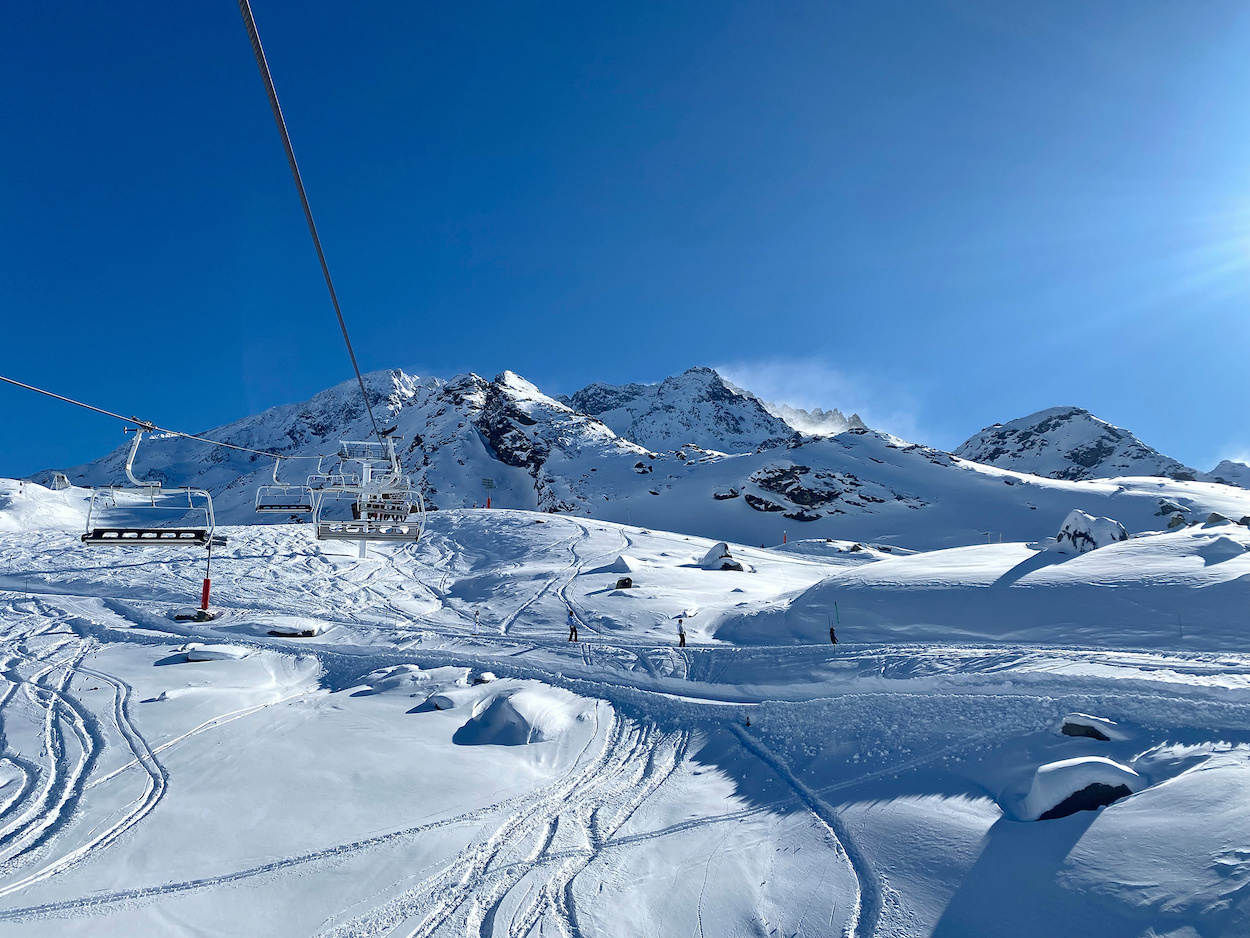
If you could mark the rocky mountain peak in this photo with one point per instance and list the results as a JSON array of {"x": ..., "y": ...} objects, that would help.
[
  {"x": 1069, "y": 443},
  {"x": 697, "y": 407}
]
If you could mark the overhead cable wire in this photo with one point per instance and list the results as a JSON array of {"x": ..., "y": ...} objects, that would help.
[
  {"x": 245, "y": 9},
  {"x": 148, "y": 426}
]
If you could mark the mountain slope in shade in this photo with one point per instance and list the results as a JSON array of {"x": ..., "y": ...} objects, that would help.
[
  {"x": 1069, "y": 443},
  {"x": 697, "y": 407}
]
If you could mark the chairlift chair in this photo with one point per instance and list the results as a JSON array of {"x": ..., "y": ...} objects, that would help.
[
  {"x": 141, "y": 497},
  {"x": 283, "y": 497},
  {"x": 385, "y": 504}
]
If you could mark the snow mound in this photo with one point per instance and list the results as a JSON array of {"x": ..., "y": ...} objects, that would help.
[
  {"x": 198, "y": 652},
  {"x": 410, "y": 679},
  {"x": 529, "y": 715},
  {"x": 1083, "y": 532},
  {"x": 719, "y": 558},
  {"x": 1220, "y": 548},
  {"x": 500, "y": 724},
  {"x": 622, "y": 564},
  {"x": 1071, "y": 785}
]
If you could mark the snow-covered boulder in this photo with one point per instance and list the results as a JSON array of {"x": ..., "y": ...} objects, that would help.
[
  {"x": 719, "y": 558},
  {"x": 1081, "y": 784},
  {"x": 1083, "y": 532}
]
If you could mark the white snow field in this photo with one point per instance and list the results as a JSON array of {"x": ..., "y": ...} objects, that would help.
[{"x": 353, "y": 759}]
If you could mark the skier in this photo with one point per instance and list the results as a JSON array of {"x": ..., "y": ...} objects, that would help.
[
  {"x": 572, "y": 626},
  {"x": 681, "y": 634},
  {"x": 833, "y": 638},
  {"x": 477, "y": 620}
]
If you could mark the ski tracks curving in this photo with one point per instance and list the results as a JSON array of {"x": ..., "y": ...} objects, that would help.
[{"x": 522, "y": 870}]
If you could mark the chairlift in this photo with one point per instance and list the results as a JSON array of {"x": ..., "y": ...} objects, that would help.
[
  {"x": 384, "y": 504},
  {"x": 283, "y": 497},
  {"x": 151, "y": 501}
]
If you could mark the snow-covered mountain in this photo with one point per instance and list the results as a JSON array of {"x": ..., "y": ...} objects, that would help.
[
  {"x": 457, "y": 433},
  {"x": 542, "y": 454},
  {"x": 1069, "y": 443},
  {"x": 1229, "y": 473},
  {"x": 697, "y": 407}
]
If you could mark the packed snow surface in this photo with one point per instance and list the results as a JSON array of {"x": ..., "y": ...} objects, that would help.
[{"x": 407, "y": 744}]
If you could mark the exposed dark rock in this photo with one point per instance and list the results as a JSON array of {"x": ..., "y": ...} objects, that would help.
[
  {"x": 1090, "y": 798},
  {"x": 762, "y": 504},
  {"x": 802, "y": 515},
  {"x": 1084, "y": 729}
]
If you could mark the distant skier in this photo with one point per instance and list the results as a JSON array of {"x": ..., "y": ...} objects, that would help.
[
  {"x": 572, "y": 626},
  {"x": 477, "y": 620},
  {"x": 681, "y": 634},
  {"x": 833, "y": 637}
]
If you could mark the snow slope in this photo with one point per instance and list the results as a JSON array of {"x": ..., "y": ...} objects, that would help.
[
  {"x": 1159, "y": 590},
  {"x": 405, "y": 772},
  {"x": 1069, "y": 443},
  {"x": 28, "y": 506}
]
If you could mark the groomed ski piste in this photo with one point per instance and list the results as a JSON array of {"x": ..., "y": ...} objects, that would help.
[{"x": 409, "y": 744}]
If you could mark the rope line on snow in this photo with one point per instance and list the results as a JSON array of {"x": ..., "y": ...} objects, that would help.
[
  {"x": 148, "y": 426},
  {"x": 245, "y": 9}
]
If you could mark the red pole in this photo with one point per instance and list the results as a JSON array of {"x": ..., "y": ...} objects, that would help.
[
  {"x": 487, "y": 501},
  {"x": 204, "y": 595}
]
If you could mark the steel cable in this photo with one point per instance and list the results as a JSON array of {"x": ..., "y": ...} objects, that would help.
[{"x": 245, "y": 9}]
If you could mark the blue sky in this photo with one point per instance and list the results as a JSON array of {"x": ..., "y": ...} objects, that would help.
[{"x": 941, "y": 215}]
